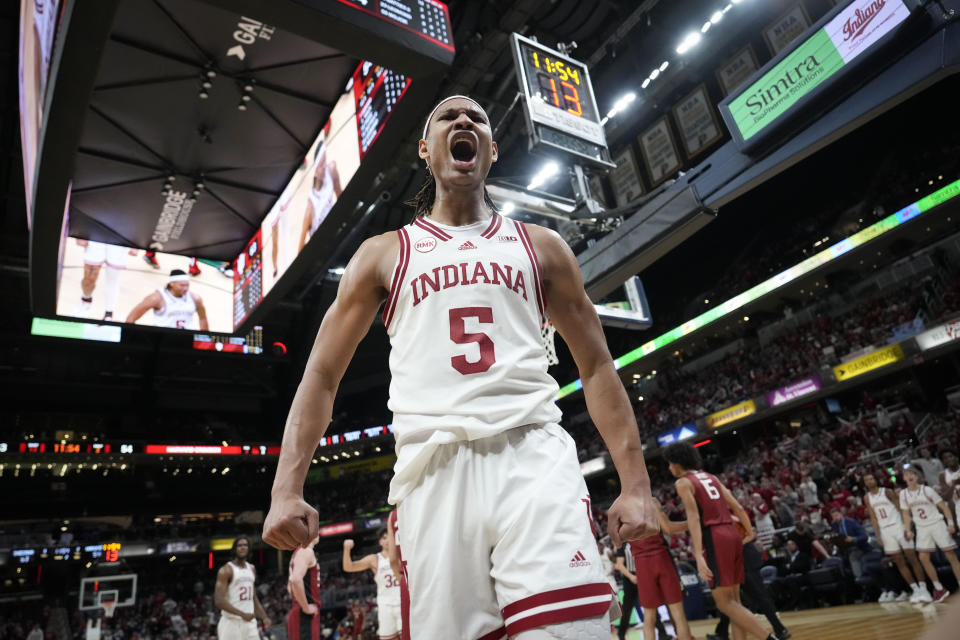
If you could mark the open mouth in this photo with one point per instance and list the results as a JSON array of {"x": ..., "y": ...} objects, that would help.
[{"x": 464, "y": 150}]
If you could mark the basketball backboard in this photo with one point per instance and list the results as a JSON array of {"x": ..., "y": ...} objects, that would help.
[
  {"x": 633, "y": 312},
  {"x": 95, "y": 590}
]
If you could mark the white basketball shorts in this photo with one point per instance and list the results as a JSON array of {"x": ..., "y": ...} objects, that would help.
[
  {"x": 231, "y": 628},
  {"x": 930, "y": 537},
  {"x": 498, "y": 538},
  {"x": 97, "y": 253},
  {"x": 388, "y": 620},
  {"x": 893, "y": 539}
]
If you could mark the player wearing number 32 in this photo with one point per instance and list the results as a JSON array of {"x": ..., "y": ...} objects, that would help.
[
  {"x": 483, "y": 468},
  {"x": 922, "y": 506},
  {"x": 236, "y": 596},
  {"x": 388, "y": 585},
  {"x": 717, "y": 545}
]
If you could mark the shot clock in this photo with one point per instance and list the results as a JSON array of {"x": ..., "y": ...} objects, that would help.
[{"x": 561, "y": 110}]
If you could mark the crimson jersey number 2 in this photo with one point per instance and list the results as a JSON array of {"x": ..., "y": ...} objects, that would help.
[{"x": 458, "y": 334}]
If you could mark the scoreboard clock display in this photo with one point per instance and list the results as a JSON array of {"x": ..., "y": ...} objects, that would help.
[{"x": 561, "y": 109}]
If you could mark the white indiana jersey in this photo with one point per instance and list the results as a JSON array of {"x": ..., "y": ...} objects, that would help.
[
  {"x": 388, "y": 586},
  {"x": 887, "y": 513},
  {"x": 240, "y": 590},
  {"x": 922, "y": 504},
  {"x": 176, "y": 313},
  {"x": 321, "y": 199},
  {"x": 949, "y": 477},
  {"x": 468, "y": 362}
]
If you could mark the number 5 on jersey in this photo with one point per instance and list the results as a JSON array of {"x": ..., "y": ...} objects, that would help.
[{"x": 459, "y": 335}]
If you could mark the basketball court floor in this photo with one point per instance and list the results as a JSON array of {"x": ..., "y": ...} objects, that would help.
[{"x": 873, "y": 621}]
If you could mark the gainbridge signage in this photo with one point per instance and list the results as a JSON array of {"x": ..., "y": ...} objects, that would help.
[
  {"x": 869, "y": 362},
  {"x": 731, "y": 414},
  {"x": 794, "y": 78}
]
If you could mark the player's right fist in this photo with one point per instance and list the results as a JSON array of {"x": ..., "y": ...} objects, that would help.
[
  {"x": 348, "y": 544},
  {"x": 311, "y": 610},
  {"x": 290, "y": 523}
]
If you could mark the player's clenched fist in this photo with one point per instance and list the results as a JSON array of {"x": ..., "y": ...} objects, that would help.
[
  {"x": 348, "y": 544},
  {"x": 632, "y": 517},
  {"x": 290, "y": 523}
]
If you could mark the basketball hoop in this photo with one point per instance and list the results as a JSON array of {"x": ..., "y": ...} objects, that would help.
[
  {"x": 108, "y": 607},
  {"x": 547, "y": 333}
]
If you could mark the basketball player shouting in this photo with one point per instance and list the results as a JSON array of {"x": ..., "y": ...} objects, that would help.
[
  {"x": 303, "y": 621},
  {"x": 717, "y": 545},
  {"x": 236, "y": 597},
  {"x": 388, "y": 585},
  {"x": 174, "y": 305},
  {"x": 884, "y": 511},
  {"x": 921, "y": 505},
  {"x": 483, "y": 469}
]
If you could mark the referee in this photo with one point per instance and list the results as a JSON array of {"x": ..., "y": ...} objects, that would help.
[{"x": 625, "y": 565}]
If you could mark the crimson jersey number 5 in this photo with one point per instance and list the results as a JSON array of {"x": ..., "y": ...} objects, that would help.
[{"x": 458, "y": 334}]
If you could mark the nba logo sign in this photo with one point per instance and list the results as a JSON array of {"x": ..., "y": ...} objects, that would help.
[{"x": 426, "y": 245}]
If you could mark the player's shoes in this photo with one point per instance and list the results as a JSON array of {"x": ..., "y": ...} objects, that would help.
[
  {"x": 108, "y": 315},
  {"x": 886, "y": 596},
  {"x": 82, "y": 310},
  {"x": 784, "y": 634},
  {"x": 940, "y": 595},
  {"x": 922, "y": 597},
  {"x": 151, "y": 259},
  {"x": 901, "y": 597},
  {"x": 226, "y": 269},
  {"x": 194, "y": 270}
]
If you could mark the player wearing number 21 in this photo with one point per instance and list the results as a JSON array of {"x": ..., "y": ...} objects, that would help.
[
  {"x": 236, "y": 596},
  {"x": 922, "y": 506},
  {"x": 388, "y": 585},
  {"x": 483, "y": 468},
  {"x": 717, "y": 545}
]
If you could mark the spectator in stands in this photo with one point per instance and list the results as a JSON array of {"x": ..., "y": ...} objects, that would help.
[
  {"x": 789, "y": 585},
  {"x": 854, "y": 542},
  {"x": 930, "y": 465},
  {"x": 808, "y": 490}
]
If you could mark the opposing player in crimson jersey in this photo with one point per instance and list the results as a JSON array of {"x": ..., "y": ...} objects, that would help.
[
  {"x": 657, "y": 580},
  {"x": 483, "y": 467},
  {"x": 303, "y": 585},
  {"x": 717, "y": 545}
]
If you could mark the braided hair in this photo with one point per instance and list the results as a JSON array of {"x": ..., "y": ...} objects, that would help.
[{"x": 422, "y": 202}]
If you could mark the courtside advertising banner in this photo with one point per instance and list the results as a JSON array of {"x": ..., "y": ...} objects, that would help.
[
  {"x": 731, "y": 414},
  {"x": 869, "y": 362}
]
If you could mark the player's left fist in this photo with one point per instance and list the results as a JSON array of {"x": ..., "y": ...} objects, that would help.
[
  {"x": 348, "y": 544},
  {"x": 632, "y": 516}
]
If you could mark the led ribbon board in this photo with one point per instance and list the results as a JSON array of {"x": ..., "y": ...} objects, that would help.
[
  {"x": 789, "y": 82},
  {"x": 561, "y": 109},
  {"x": 875, "y": 230}
]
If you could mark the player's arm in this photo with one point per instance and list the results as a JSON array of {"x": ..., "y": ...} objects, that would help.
[
  {"x": 671, "y": 526},
  {"x": 942, "y": 505},
  {"x": 335, "y": 176},
  {"x": 621, "y": 566},
  {"x": 354, "y": 566},
  {"x": 632, "y": 515},
  {"x": 907, "y": 519},
  {"x": 152, "y": 301},
  {"x": 258, "y": 609},
  {"x": 873, "y": 521},
  {"x": 220, "y": 599},
  {"x": 392, "y": 553},
  {"x": 291, "y": 522},
  {"x": 301, "y": 564},
  {"x": 305, "y": 229},
  {"x": 201, "y": 313},
  {"x": 734, "y": 505},
  {"x": 685, "y": 491}
]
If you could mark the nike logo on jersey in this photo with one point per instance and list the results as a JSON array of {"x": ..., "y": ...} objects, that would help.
[
  {"x": 465, "y": 273},
  {"x": 467, "y": 245},
  {"x": 579, "y": 560}
]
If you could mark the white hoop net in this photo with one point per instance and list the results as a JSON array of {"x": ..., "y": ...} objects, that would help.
[
  {"x": 547, "y": 333},
  {"x": 108, "y": 607}
]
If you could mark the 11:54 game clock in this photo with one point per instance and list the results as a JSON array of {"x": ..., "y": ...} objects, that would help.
[{"x": 561, "y": 109}]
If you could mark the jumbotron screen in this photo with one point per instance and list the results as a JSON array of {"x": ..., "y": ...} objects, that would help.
[{"x": 129, "y": 285}]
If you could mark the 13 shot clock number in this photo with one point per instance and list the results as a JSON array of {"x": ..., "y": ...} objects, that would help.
[{"x": 561, "y": 109}]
